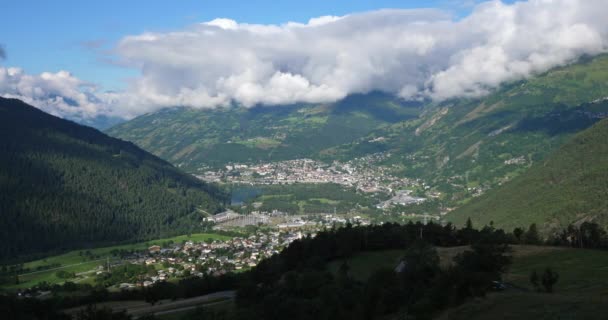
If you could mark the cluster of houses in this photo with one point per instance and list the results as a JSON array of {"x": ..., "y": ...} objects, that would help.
[
  {"x": 363, "y": 173},
  {"x": 200, "y": 258},
  {"x": 213, "y": 258}
]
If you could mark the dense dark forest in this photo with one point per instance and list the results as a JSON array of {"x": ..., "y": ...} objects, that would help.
[{"x": 63, "y": 185}]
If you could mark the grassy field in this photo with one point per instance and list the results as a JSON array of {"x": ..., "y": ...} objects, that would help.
[
  {"x": 75, "y": 261},
  {"x": 362, "y": 265},
  {"x": 530, "y": 305},
  {"x": 581, "y": 292},
  {"x": 580, "y": 270}
]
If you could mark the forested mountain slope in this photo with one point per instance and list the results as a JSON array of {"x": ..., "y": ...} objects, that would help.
[
  {"x": 193, "y": 139},
  {"x": 571, "y": 186},
  {"x": 63, "y": 185}
]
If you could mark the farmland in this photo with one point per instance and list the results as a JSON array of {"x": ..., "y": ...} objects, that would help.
[{"x": 82, "y": 261}]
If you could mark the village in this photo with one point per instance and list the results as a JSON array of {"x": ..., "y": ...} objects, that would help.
[
  {"x": 200, "y": 258},
  {"x": 173, "y": 261},
  {"x": 362, "y": 173}
]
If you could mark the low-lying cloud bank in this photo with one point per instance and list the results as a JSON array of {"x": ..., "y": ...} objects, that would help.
[
  {"x": 59, "y": 93},
  {"x": 412, "y": 53}
]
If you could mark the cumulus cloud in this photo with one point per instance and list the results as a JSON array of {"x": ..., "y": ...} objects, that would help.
[
  {"x": 59, "y": 93},
  {"x": 412, "y": 53}
]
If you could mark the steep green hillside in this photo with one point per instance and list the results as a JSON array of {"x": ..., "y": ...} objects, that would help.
[
  {"x": 64, "y": 185},
  {"x": 465, "y": 147},
  {"x": 570, "y": 186},
  {"x": 192, "y": 139}
]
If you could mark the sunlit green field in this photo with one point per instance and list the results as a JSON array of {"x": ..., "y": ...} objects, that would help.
[
  {"x": 580, "y": 270},
  {"x": 75, "y": 261}
]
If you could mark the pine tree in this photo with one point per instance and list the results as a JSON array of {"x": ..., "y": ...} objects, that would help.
[
  {"x": 518, "y": 233},
  {"x": 469, "y": 225}
]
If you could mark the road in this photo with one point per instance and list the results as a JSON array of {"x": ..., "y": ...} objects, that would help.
[
  {"x": 160, "y": 313},
  {"x": 180, "y": 305},
  {"x": 141, "y": 308}
]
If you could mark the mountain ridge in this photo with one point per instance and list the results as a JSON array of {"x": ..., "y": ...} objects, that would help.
[
  {"x": 66, "y": 185},
  {"x": 193, "y": 138},
  {"x": 570, "y": 186}
]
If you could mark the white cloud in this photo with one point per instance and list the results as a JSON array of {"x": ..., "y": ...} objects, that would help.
[
  {"x": 60, "y": 93},
  {"x": 412, "y": 53}
]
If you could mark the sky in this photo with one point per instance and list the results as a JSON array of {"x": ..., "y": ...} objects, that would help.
[
  {"x": 69, "y": 34},
  {"x": 83, "y": 59}
]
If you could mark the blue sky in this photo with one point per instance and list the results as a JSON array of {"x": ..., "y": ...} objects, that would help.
[
  {"x": 251, "y": 56},
  {"x": 71, "y": 34}
]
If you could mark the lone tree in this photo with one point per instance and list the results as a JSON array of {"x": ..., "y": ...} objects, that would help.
[
  {"x": 535, "y": 280},
  {"x": 549, "y": 279},
  {"x": 518, "y": 234}
]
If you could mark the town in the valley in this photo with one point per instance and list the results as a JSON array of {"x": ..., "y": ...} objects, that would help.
[
  {"x": 169, "y": 260},
  {"x": 362, "y": 173}
]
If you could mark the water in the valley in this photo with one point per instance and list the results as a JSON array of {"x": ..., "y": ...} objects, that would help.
[{"x": 240, "y": 194}]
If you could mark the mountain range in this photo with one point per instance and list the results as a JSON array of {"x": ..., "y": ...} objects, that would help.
[
  {"x": 195, "y": 139},
  {"x": 532, "y": 151},
  {"x": 461, "y": 148}
]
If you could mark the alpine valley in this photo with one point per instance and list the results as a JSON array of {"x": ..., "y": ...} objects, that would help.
[
  {"x": 451, "y": 152},
  {"x": 326, "y": 160}
]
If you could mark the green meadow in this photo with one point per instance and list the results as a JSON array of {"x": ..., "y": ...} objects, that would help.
[
  {"x": 79, "y": 261},
  {"x": 580, "y": 293}
]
